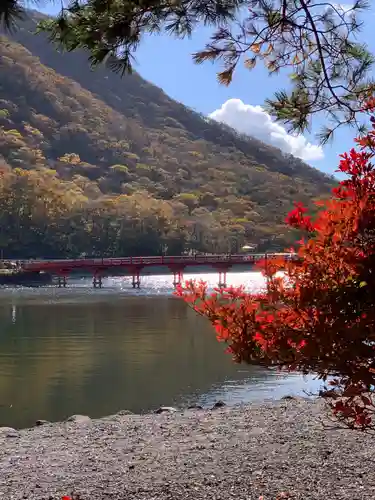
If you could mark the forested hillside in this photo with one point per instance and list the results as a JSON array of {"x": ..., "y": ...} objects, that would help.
[{"x": 98, "y": 164}]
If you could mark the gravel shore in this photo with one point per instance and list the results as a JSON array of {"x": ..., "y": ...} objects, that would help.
[{"x": 240, "y": 453}]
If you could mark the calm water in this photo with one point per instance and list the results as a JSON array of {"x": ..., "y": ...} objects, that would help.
[{"x": 95, "y": 352}]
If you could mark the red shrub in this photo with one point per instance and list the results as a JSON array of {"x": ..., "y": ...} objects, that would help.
[{"x": 319, "y": 317}]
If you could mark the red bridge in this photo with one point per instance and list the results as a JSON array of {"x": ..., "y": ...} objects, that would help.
[{"x": 134, "y": 266}]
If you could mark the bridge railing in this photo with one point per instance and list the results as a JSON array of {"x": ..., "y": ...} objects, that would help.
[{"x": 149, "y": 261}]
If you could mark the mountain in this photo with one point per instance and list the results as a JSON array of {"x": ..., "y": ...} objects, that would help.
[{"x": 132, "y": 170}]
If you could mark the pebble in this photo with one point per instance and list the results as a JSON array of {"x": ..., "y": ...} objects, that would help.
[
  {"x": 9, "y": 432},
  {"x": 166, "y": 409},
  {"x": 219, "y": 404},
  {"x": 124, "y": 412},
  {"x": 79, "y": 419},
  {"x": 42, "y": 422}
]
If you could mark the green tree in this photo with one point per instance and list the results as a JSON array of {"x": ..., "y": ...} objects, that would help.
[
  {"x": 188, "y": 199},
  {"x": 314, "y": 40}
]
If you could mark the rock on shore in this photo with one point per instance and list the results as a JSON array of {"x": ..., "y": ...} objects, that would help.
[{"x": 240, "y": 453}]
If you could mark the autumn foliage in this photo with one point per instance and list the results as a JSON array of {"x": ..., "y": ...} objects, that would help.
[{"x": 318, "y": 315}]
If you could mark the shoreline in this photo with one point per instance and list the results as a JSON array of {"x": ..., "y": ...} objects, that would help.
[{"x": 231, "y": 452}]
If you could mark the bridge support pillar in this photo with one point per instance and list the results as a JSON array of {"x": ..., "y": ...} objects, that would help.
[
  {"x": 97, "y": 281},
  {"x": 62, "y": 281},
  {"x": 222, "y": 279},
  {"x": 222, "y": 269},
  {"x": 135, "y": 272},
  {"x": 136, "y": 280},
  {"x": 178, "y": 273},
  {"x": 178, "y": 277}
]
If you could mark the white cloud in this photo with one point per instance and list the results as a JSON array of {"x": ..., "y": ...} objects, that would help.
[
  {"x": 254, "y": 121},
  {"x": 343, "y": 8}
]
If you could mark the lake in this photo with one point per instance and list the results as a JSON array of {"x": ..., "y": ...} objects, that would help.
[{"x": 95, "y": 352}]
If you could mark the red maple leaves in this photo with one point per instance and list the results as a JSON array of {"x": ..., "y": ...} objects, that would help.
[
  {"x": 297, "y": 218},
  {"x": 318, "y": 315}
]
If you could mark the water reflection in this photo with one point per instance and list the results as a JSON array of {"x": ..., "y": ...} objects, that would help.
[
  {"x": 14, "y": 314},
  {"x": 96, "y": 352}
]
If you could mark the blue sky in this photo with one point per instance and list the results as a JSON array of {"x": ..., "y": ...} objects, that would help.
[{"x": 167, "y": 63}]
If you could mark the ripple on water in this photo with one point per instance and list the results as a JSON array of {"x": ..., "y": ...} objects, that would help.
[{"x": 121, "y": 285}]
